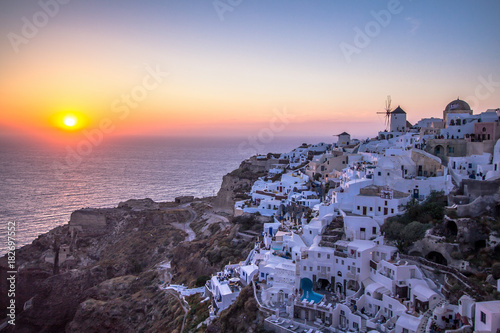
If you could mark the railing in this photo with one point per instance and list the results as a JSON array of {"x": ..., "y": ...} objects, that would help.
[{"x": 471, "y": 290}]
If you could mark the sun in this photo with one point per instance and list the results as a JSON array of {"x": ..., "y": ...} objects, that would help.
[{"x": 70, "y": 121}]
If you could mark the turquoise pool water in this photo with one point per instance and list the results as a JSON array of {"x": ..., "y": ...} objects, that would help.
[{"x": 308, "y": 293}]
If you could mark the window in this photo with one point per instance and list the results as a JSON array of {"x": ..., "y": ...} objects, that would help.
[
  {"x": 339, "y": 273},
  {"x": 379, "y": 209},
  {"x": 359, "y": 270},
  {"x": 451, "y": 150},
  {"x": 305, "y": 267},
  {"x": 388, "y": 174},
  {"x": 359, "y": 208},
  {"x": 310, "y": 269},
  {"x": 392, "y": 210},
  {"x": 319, "y": 268},
  {"x": 328, "y": 268},
  {"x": 319, "y": 255},
  {"x": 342, "y": 262},
  {"x": 380, "y": 173},
  {"x": 336, "y": 261},
  {"x": 374, "y": 229},
  {"x": 483, "y": 317},
  {"x": 328, "y": 256},
  {"x": 386, "y": 202},
  {"x": 371, "y": 209}
]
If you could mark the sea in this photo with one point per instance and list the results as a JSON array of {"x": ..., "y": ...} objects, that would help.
[{"x": 41, "y": 184}]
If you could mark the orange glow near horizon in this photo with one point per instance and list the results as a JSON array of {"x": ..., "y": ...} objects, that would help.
[{"x": 68, "y": 121}]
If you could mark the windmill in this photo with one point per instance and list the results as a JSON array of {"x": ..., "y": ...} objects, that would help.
[{"x": 387, "y": 112}]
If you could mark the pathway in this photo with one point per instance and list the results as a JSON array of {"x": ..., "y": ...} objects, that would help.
[{"x": 185, "y": 226}]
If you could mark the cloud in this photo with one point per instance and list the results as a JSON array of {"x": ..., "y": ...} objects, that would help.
[{"x": 415, "y": 24}]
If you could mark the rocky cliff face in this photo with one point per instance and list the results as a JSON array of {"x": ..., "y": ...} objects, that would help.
[
  {"x": 236, "y": 184},
  {"x": 109, "y": 280}
]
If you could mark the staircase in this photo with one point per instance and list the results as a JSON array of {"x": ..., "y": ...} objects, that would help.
[{"x": 423, "y": 323}]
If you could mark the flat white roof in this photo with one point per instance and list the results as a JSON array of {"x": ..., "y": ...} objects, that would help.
[
  {"x": 249, "y": 269},
  {"x": 408, "y": 322},
  {"x": 492, "y": 306},
  {"x": 224, "y": 289},
  {"x": 362, "y": 245}
]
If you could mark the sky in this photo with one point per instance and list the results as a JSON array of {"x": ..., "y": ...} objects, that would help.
[{"x": 240, "y": 67}]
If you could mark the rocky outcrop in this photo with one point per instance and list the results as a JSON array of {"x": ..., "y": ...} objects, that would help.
[
  {"x": 480, "y": 206},
  {"x": 128, "y": 304},
  {"x": 88, "y": 222},
  {"x": 110, "y": 249},
  {"x": 111, "y": 284},
  {"x": 233, "y": 188},
  {"x": 236, "y": 184}
]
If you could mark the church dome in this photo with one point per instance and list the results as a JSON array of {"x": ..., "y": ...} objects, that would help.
[{"x": 457, "y": 104}]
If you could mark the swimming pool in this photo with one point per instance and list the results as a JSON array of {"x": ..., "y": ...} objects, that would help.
[{"x": 308, "y": 294}]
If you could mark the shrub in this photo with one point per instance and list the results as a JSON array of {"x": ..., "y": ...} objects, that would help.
[{"x": 201, "y": 280}]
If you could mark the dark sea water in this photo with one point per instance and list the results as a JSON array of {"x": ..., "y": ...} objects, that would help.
[{"x": 38, "y": 196}]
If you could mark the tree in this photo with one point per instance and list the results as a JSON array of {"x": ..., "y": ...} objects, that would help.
[{"x": 414, "y": 231}]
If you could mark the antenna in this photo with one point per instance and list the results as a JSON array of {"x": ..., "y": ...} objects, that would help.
[{"x": 387, "y": 112}]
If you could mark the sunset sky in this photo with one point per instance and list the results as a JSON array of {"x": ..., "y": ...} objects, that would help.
[{"x": 231, "y": 64}]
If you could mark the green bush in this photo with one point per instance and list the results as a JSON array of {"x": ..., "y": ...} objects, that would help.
[{"x": 201, "y": 280}]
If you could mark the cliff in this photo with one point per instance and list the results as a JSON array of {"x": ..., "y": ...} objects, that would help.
[
  {"x": 107, "y": 274},
  {"x": 237, "y": 184}
]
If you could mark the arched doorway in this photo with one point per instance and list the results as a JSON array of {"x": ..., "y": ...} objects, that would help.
[
  {"x": 436, "y": 257},
  {"x": 451, "y": 228},
  {"x": 323, "y": 284},
  {"x": 338, "y": 288},
  {"x": 438, "y": 150}
]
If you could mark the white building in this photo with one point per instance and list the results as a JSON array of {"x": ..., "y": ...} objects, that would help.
[
  {"x": 487, "y": 317},
  {"x": 398, "y": 120},
  {"x": 344, "y": 139}
]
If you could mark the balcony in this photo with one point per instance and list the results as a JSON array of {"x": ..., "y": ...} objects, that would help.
[{"x": 340, "y": 254}]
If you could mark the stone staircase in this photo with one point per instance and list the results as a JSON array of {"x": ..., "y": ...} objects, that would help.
[{"x": 428, "y": 314}]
